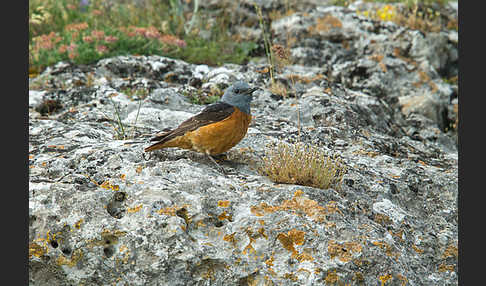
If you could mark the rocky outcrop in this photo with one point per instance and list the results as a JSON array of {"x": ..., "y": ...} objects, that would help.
[{"x": 100, "y": 213}]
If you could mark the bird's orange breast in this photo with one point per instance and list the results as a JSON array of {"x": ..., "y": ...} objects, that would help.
[
  {"x": 215, "y": 138},
  {"x": 219, "y": 137}
]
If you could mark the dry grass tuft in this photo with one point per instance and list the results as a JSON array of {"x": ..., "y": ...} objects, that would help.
[
  {"x": 282, "y": 55},
  {"x": 302, "y": 164},
  {"x": 278, "y": 88}
]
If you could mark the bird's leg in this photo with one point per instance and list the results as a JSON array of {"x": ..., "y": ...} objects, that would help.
[
  {"x": 221, "y": 157},
  {"x": 219, "y": 166}
]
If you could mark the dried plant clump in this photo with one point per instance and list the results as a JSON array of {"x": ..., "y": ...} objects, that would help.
[
  {"x": 282, "y": 55},
  {"x": 302, "y": 164},
  {"x": 278, "y": 88}
]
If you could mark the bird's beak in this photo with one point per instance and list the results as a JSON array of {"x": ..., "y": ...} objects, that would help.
[{"x": 251, "y": 90}]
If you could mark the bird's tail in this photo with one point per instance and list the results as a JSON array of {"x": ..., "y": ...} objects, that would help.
[{"x": 162, "y": 138}]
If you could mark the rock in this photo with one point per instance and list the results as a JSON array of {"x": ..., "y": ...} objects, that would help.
[
  {"x": 387, "y": 208},
  {"x": 376, "y": 57},
  {"x": 102, "y": 212},
  {"x": 35, "y": 98},
  {"x": 428, "y": 105},
  {"x": 170, "y": 98},
  {"x": 157, "y": 118}
]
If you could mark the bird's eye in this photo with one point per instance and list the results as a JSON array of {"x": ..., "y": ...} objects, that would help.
[{"x": 236, "y": 90}]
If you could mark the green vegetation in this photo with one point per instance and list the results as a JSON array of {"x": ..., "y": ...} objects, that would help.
[
  {"x": 302, "y": 164},
  {"x": 69, "y": 30},
  {"x": 136, "y": 93},
  {"x": 204, "y": 100},
  {"x": 121, "y": 130},
  {"x": 267, "y": 43},
  {"x": 199, "y": 97}
]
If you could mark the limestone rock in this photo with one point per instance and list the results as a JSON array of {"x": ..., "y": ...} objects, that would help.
[{"x": 102, "y": 213}]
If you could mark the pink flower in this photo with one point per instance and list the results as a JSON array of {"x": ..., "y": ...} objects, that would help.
[
  {"x": 152, "y": 33},
  {"x": 45, "y": 45},
  {"x": 101, "y": 49},
  {"x": 62, "y": 49},
  {"x": 46, "y": 42},
  {"x": 87, "y": 39},
  {"x": 131, "y": 34},
  {"x": 56, "y": 39},
  {"x": 72, "y": 47},
  {"x": 173, "y": 40},
  {"x": 72, "y": 55},
  {"x": 98, "y": 35},
  {"x": 180, "y": 43},
  {"x": 139, "y": 31},
  {"x": 111, "y": 39},
  {"x": 76, "y": 27}
]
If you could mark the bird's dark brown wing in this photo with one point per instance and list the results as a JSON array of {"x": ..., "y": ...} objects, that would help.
[{"x": 212, "y": 113}]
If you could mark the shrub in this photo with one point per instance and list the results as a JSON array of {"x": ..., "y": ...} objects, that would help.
[{"x": 302, "y": 164}]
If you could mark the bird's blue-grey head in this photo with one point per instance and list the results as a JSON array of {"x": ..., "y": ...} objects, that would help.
[{"x": 239, "y": 95}]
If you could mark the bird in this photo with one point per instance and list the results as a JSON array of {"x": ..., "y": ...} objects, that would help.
[{"x": 216, "y": 129}]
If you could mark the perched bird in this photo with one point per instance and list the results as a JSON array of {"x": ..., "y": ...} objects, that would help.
[{"x": 216, "y": 129}]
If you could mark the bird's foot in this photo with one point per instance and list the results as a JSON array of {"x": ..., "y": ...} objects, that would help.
[
  {"x": 225, "y": 172},
  {"x": 220, "y": 157}
]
